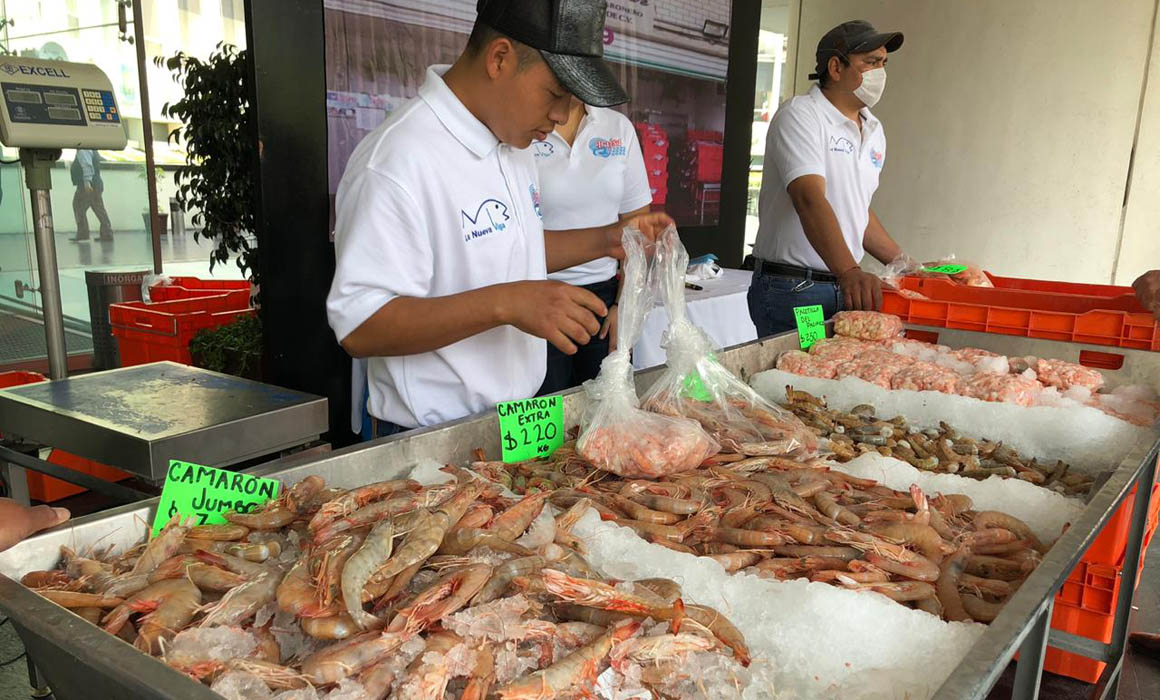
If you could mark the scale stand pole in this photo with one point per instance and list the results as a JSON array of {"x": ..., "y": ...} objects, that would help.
[{"x": 38, "y": 164}]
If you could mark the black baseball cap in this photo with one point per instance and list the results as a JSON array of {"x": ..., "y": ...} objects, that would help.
[
  {"x": 855, "y": 36},
  {"x": 569, "y": 35}
]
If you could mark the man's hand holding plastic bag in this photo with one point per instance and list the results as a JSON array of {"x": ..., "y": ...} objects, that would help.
[
  {"x": 617, "y": 435},
  {"x": 696, "y": 386}
]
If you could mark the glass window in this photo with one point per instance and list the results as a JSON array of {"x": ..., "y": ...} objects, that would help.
[
  {"x": 774, "y": 86},
  {"x": 671, "y": 57},
  {"x": 189, "y": 5},
  {"x": 232, "y": 9}
]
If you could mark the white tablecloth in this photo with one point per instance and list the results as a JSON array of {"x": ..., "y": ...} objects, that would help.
[{"x": 719, "y": 309}]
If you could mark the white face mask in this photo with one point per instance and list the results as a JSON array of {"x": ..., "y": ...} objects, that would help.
[{"x": 872, "y": 87}]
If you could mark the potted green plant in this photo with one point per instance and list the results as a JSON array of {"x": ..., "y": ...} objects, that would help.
[
  {"x": 235, "y": 348},
  {"x": 158, "y": 174},
  {"x": 217, "y": 181}
]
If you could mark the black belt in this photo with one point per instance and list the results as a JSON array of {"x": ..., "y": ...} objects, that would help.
[{"x": 765, "y": 267}]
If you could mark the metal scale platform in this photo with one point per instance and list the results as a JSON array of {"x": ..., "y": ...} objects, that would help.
[{"x": 138, "y": 418}]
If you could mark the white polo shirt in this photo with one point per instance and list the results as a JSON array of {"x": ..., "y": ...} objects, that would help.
[
  {"x": 591, "y": 183},
  {"x": 809, "y": 136},
  {"x": 432, "y": 204}
]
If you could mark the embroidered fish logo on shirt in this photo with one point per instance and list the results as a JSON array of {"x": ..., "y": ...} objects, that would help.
[
  {"x": 606, "y": 148},
  {"x": 543, "y": 149},
  {"x": 877, "y": 158},
  {"x": 490, "y": 216},
  {"x": 840, "y": 144}
]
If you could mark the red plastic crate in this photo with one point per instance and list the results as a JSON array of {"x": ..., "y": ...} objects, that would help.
[
  {"x": 1082, "y": 313},
  {"x": 194, "y": 287},
  {"x": 709, "y": 158},
  {"x": 162, "y": 331},
  {"x": 42, "y": 487},
  {"x": 1086, "y": 603}
]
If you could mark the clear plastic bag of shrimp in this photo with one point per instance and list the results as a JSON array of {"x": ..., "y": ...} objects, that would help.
[
  {"x": 898, "y": 268},
  {"x": 960, "y": 272},
  {"x": 694, "y": 385},
  {"x": 617, "y": 435}
]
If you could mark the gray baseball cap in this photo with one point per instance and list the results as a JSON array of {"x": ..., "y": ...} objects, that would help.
[
  {"x": 569, "y": 35},
  {"x": 855, "y": 36}
]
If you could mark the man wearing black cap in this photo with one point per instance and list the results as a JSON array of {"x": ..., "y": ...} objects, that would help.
[
  {"x": 823, "y": 155},
  {"x": 441, "y": 255}
]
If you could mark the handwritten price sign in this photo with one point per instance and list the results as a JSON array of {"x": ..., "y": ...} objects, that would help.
[
  {"x": 811, "y": 324},
  {"x": 193, "y": 490},
  {"x": 530, "y": 429}
]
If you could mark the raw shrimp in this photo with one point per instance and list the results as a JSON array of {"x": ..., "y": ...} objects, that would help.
[
  {"x": 511, "y": 523},
  {"x": 744, "y": 538},
  {"x": 661, "y": 647},
  {"x": 45, "y": 579},
  {"x": 665, "y": 589},
  {"x": 296, "y": 594},
  {"x": 163, "y": 546},
  {"x": 721, "y": 628},
  {"x": 442, "y": 598},
  {"x": 428, "y": 676},
  {"x": 338, "y": 626},
  {"x": 482, "y": 675},
  {"x": 72, "y": 599},
  {"x": 170, "y": 605},
  {"x": 986, "y": 519},
  {"x": 463, "y": 540},
  {"x": 636, "y": 511},
  {"x": 579, "y": 667},
  {"x": 736, "y": 561},
  {"x": 279, "y": 513},
  {"x": 355, "y": 499},
  {"x": 921, "y": 537},
  {"x": 375, "y": 550},
  {"x": 831, "y": 509},
  {"x": 888, "y": 556},
  {"x": 900, "y": 591},
  {"x": 219, "y": 533},
  {"x": 994, "y": 567},
  {"x": 204, "y": 576},
  {"x": 244, "y": 601},
  {"x": 368, "y": 515},
  {"x": 970, "y": 582},
  {"x": 947, "y": 586},
  {"x": 979, "y": 609},
  {"x": 798, "y": 550},
  {"x": 350, "y": 656},
  {"x": 503, "y": 575},
  {"x": 597, "y": 594}
]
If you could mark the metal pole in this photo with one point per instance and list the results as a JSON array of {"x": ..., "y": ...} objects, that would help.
[
  {"x": 38, "y": 175},
  {"x": 147, "y": 135},
  {"x": 1029, "y": 668}
]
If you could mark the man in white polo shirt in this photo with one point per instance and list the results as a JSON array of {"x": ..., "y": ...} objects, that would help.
[
  {"x": 441, "y": 255},
  {"x": 823, "y": 156}
]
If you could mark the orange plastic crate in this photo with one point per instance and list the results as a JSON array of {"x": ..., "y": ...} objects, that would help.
[
  {"x": 42, "y": 487},
  {"x": 1086, "y": 603},
  {"x": 162, "y": 331},
  {"x": 1081, "y": 313},
  {"x": 194, "y": 287}
]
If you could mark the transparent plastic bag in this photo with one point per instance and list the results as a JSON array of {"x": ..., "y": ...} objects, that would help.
[
  {"x": 148, "y": 282},
  {"x": 906, "y": 266},
  {"x": 694, "y": 385},
  {"x": 898, "y": 268},
  {"x": 617, "y": 435}
]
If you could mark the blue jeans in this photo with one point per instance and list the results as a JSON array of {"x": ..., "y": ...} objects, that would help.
[
  {"x": 772, "y": 299},
  {"x": 373, "y": 428}
]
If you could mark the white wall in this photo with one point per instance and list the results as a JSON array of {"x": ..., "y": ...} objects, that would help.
[
  {"x": 1140, "y": 250},
  {"x": 1010, "y": 128}
]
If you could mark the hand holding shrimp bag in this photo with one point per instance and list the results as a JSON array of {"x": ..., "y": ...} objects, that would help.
[
  {"x": 617, "y": 435},
  {"x": 696, "y": 386}
]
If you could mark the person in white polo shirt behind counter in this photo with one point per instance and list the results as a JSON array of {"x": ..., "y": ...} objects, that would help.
[
  {"x": 591, "y": 174},
  {"x": 442, "y": 259},
  {"x": 824, "y": 153}
]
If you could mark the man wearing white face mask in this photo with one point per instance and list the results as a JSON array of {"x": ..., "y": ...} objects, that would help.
[{"x": 823, "y": 155}]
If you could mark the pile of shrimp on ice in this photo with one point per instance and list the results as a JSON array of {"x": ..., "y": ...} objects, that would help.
[
  {"x": 781, "y": 518},
  {"x": 397, "y": 590}
]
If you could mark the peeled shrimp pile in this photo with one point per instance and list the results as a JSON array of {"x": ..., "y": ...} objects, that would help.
[
  {"x": 863, "y": 349},
  {"x": 939, "y": 449},
  {"x": 395, "y": 589},
  {"x": 867, "y": 325}
]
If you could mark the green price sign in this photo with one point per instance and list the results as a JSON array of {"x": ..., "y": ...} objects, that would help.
[
  {"x": 695, "y": 386},
  {"x": 530, "y": 429},
  {"x": 811, "y": 324},
  {"x": 204, "y": 493},
  {"x": 947, "y": 269}
]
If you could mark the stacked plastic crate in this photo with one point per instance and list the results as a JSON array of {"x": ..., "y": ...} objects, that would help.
[{"x": 654, "y": 144}]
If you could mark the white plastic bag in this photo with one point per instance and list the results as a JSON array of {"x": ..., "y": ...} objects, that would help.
[
  {"x": 617, "y": 435},
  {"x": 694, "y": 385}
]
